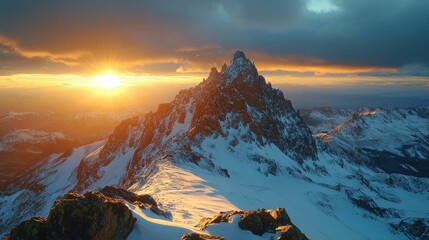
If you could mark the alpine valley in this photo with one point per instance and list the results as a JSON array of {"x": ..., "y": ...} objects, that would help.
[{"x": 208, "y": 164}]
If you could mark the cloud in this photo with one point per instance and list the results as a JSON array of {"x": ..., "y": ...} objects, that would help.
[
  {"x": 322, "y": 6},
  {"x": 252, "y": 14},
  {"x": 12, "y": 61},
  {"x": 194, "y": 35},
  {"x": 415, "y": 70},
  {"x": 164, "y": 68}
]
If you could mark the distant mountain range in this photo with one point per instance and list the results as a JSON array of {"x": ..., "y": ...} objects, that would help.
[
  {"x": 234, "y": 142},
  {"x": 394, "y": 140},
  {"x": 29, "y": 137}
]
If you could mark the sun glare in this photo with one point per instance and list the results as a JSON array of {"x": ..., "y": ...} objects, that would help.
[{"x": 108, "y": 81}]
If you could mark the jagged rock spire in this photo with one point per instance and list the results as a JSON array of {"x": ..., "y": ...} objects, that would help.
[
  {"x": 237, "y": 56},
  {"x": 239, "y": 65}
]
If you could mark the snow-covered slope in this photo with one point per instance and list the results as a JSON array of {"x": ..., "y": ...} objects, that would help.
[
  {"x": 34, "y": 192},
  {"x": 232, "y": 142},
  {"x": 321, "y": 197},
  {"x": 22, "y": 148}
]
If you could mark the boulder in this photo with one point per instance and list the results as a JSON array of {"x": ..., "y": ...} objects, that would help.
[
  {"x": 198, "y": 236},
  {"x": 74, "y": 216},
  {"x": 290, "y": 232},
  {"x": 259, "y": 222},
  {"x": 89, "y": 216},
  {"x": 33, "y": 228},
  {"x": 144, "y": 201},
  {"x": 118, "y": 192}
]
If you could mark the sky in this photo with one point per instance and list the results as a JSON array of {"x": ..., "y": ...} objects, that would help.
[{"x": 382, "y": 43}]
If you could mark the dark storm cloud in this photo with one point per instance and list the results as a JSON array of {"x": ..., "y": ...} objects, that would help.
[
  {"x": 382, "y": 33},
  {"x": 278, "y": 14}
]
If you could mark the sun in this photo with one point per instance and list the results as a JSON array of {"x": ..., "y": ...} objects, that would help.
[{"x": 108, "y": 81}]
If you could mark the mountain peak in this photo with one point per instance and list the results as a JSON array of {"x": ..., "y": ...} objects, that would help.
[
  {"x": 234, "y": 98},
  {"x": 224, "y": 66},
  {"x": 240, "y": 65},
  {"x": 213, "y": 72},
  {"x": 237, "y": 55},
  {"x": 239, "y": 59}
]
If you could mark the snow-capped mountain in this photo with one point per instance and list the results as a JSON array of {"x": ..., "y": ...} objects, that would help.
[
  {"x": 21, "y": 148},
  {"x": 14, "y": 116},
  {"x": 235, "y": 104},
  {"x": 83, "y": 116},
  {"x": 233, "y": 142},
  {"x": 29, "y": 140},
  {"x": 394, "y": 140},
  {"x": 28, "y": 137}
]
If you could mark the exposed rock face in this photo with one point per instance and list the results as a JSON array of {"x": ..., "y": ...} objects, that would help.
[
  {"x": 144, "y": 201},
  {"x": 75, "y": 216},
  {"x": 372, "y": 207},
  {"x": 259, "y": 222},
  {"x": 197, "y": 236},
  {"x": 290, "y": 232},
  {"x": 118, "y": 192},
  {"x": 414, "y": 228}
]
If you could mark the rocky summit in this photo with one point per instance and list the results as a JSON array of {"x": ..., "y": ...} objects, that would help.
[{"x": 235, "y": 98}]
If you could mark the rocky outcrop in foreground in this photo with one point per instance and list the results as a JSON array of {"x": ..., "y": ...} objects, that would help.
[
  {"x": 258, "y": 222},
  {"x": 93, "y": 215},
  {"x": 198, "y": 236},
  {"x": 34, "y": 228}
]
